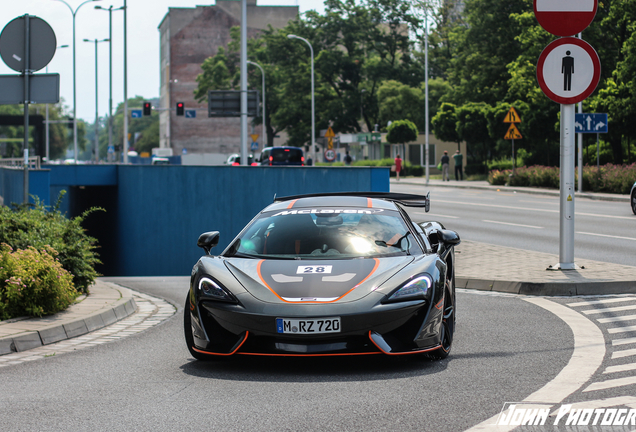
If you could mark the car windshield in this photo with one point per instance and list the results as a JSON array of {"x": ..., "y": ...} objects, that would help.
[{"x": 325, "y": 233}]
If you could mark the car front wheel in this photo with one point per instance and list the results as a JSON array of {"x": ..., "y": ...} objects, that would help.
[
  {"x": 634, "y": 201},
  {"x": 447, "y": 329}
]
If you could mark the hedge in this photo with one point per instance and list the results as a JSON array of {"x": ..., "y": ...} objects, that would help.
[{"x": 609, "y": 178}]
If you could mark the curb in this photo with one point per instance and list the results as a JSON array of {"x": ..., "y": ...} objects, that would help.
[
  {"x": 104, "y": 310},
  {"x": 551, "y": 289}
]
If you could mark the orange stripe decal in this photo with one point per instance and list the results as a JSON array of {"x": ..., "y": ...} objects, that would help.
[
  {"x": 247, "y": 333},
  {"x": 403, "y": 353},
  {"x": 291, "y": 204},
  {"x": 440, "y": 304},
  {"x": 309, "y": 355},
  {"x": 260, "y": 276},
  {"x": 369, "y": 203}
]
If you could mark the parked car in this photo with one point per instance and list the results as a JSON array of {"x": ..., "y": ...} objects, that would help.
[
  {"x": 326, "y": 275},
  {"x": 160, "y": 161},
  {"x": 235, "y": 160},
  {"x": 282, "y": 156},
  {"x": 633, "y": 198}
]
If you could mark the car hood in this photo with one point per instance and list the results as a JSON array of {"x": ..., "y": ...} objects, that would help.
[{"x": 314, "y": 281}]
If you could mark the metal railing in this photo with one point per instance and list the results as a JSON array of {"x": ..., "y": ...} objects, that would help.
[{"x": 18, "y": 163}]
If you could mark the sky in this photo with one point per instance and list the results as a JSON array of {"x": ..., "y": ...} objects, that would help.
[{"x": 144, "y": 17}]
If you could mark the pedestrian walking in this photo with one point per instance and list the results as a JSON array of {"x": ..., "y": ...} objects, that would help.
[
  {"x": 445, "y": 161},
  {"x": 458, "y": 158},
  {"x": 347, "y": 159},
  {"x": 398, "y": 166}
]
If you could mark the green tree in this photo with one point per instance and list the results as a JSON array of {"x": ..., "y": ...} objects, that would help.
[
  {"x": 472, "y": 127},
  {"x": 445, "y": 123},
  {"x": 401, "y": 132}
]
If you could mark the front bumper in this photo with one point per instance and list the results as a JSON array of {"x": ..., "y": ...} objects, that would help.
[{"x": 397, "y": 328}]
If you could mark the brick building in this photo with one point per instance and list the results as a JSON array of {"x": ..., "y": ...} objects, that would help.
[{"x": 188, "y": 37}]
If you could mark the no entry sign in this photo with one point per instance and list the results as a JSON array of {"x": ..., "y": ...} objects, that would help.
[
  {"x": 565, "y": 17},
  {"x": 568, "y": 70}
]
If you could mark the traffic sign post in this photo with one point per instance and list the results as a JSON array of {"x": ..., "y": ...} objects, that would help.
[
  {"x": 513, "y": 133},
  {"x": 568, "y": 71},
  {"x": 27, "y": 44},
  {"x": 330, "y": 155}
]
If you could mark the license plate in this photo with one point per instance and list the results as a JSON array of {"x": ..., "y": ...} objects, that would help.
[{"x": 308, "y": 326}]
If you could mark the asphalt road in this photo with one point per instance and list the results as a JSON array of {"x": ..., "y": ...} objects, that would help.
[
  {"x": 604, "y": 230},
  {"x": 505, "y": 348}
]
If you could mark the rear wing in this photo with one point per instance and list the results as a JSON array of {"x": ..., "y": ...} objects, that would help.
[{"x": 407, "y": 200}]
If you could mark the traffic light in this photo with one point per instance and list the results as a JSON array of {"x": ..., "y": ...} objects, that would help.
[
  {"x": 147, "y": 108},
  {"x": 180, "y": 108}
]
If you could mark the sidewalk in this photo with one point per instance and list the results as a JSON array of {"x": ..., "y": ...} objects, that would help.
[
  {"x": 106, "y": 304},
  {"x": 486, "y": 267},
  {"x": 484, "y": 185}
]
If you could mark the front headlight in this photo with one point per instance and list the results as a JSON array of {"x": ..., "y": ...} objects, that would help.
[
  {"x": 417, "y": 288},
  {"x": 213, "y": 290}
]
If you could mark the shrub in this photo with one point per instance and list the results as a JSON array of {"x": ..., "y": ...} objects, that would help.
[
  {"x": 35, "y": 225},
  {"x": 33, "y": 282},
  {"x": 609, "y": 178}
]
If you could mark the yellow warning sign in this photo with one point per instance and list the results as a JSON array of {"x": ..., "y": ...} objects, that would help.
[
  {"x": 329, "y": 133},
  {"x": 512, "y": 116},
  {"x": 254, "y": 137},
  {"x": 513, "y": 133},
  {"x": 569, "y": 197}
]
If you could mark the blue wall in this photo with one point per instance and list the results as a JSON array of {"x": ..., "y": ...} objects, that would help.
[
  {"x": 12, "y": 185},
  {"x": 156, "y": 213}
]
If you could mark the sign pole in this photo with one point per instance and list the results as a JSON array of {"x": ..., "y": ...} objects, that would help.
[
  {"x": 513, "y": 157},
  {"x": 27, "y": 71},
  {"x": 566, "y": 226}
]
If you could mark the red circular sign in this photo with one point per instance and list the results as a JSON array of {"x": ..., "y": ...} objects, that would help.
[
  {"x": 568, "y": 70},
  {"x": 330, "y": 155},
  {"x": 565, "y": 17}
]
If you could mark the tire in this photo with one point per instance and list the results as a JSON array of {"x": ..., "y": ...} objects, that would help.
[
  {"x": 447, "y": 329},
  {"x": 187, "y": 329},
  {"x": 634, "y": 201}
]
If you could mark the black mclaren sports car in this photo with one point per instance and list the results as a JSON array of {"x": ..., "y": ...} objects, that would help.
[{"x": 326, "y": 275}]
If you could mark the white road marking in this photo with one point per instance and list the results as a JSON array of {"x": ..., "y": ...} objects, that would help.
[
  {"x": 603, "y": 301},
  {"x": 621, "y": 329},
  {"x": 620, "y": 368},
  {"x": 605, "y": 235},
  {"x": 617, "y": 319},
  {"x": 625, "y": 341},
  {"x": 629, "y": 401},
  {"x": 612, "y": 309},
  {"x": 624, "y": 353},
  {"x": 532, "y": 209},
  {"x": 513, "y": 224},
  {"x": 437, "y": 215},
  {"x": 613, "y": 383},
  {"x": 587, "y": 357},
  {"x": 150, "y": 312}
]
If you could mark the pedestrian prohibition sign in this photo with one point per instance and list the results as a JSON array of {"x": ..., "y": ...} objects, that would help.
[{"x": 568, "y": 70}]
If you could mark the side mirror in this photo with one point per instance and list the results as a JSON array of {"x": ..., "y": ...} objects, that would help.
[
  {"x": 448, "y": 237},
  {"x": 208, "y": 240}
]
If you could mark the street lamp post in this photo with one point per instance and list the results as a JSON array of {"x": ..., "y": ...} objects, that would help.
[
  {"x": 110, "y": 70},
  {"x": 313, "y": 108},
  {"x": 263, "y": 98},
  {"x": 96, "y": 42},
  {"x": 74, "y": 12}
]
